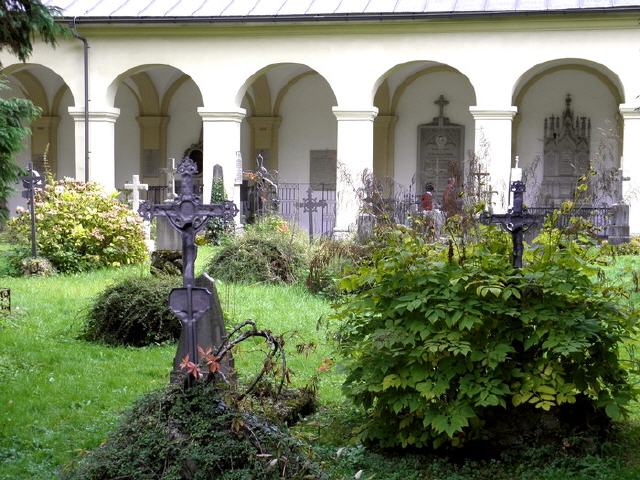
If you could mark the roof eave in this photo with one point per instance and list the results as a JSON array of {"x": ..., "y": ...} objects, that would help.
[{"x": 346, "y": 17}]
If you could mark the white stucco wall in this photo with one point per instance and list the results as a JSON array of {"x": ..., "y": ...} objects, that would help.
[
  {"x": 417, "y": 107},
  {"x": 307, "y": 124},
  {"x": 185, "y": 125},
  {"x": 66, "y": 136},
  {"x": 127, "y": 137}
]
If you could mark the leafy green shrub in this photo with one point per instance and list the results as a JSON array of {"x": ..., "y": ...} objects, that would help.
[
  {"x": 437, "y": 344},
  {"x": 632, "y": 247},
  {"x": 80, "y": 227},
  {"x": 329, "y": 264},
  {"x": 262, "y": 254},
  {"x": 134, "y": 312},
  {"x": 196, "y": 434}
]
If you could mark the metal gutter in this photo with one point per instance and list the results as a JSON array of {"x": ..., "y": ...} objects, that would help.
[{"x": 348, "y": 17}]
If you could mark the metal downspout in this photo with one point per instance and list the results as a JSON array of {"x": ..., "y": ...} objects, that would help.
[{"x": 85, "y": 47}]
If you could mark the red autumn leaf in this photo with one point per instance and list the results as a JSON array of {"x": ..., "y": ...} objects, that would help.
[
  {"x": 191, "y": 368},
  {"x": 214, "y": 364}
]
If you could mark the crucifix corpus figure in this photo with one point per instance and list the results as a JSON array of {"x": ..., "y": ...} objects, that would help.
[
  {"x": 516, "y": 221},
  {"x": 188, "y": 216}
]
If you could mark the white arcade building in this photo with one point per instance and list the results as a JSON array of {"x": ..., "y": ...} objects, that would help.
[{"x": 417, "y": 91}]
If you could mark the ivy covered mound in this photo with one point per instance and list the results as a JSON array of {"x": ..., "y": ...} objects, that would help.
[
  {"x": 134, "y": 312},
  {"x": 194, "y": 435},
  {"x": 447, "y": 346}
]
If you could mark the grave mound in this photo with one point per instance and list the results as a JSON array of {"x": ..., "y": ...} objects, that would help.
[
  {"x": 134, "y": 312},
  {"x": 195, "y": 434}
]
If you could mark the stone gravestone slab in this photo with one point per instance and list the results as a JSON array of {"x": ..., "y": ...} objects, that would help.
[
  {"x": 440, "y": 151},
  {"x": 210, "y": 333},
  {"x": 167, "y": 238}
]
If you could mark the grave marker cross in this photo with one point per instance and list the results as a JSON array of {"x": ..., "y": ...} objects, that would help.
[
  {"x": 170, "y": 173},
  {"x": 32, "y": 182},
  {"x": 310, "y": 205},
  {"x": 187, "y": 215},
  {"x": 516, "y": 221},
  {"x": 135, "y": 186}
]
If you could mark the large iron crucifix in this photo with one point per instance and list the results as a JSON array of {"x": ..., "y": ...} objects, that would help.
[
  {"x": 516, "y": 221},
  {"x": 187, "y": 215}
]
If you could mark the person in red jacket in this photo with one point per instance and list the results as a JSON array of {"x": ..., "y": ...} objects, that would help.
[{"x": 427, "y": 198}]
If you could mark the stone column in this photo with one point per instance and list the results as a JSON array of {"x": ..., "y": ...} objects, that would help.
[
  {"x": 383, "y": 145},
  {"x": 493, "y": 148},
  {"x": 265, "y": 137},
  {"x": 220, "y": 144},
  {"x": 630, "y": 164},
  {"x": 354, "y": 155},
  {"x": 102, "y": 165}
]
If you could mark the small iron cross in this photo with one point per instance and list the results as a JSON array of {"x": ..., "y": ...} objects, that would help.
[
  {"x": 5, "y": 301},
  {"x": 516, "y": 221},
  {"x": 187, "y": 215},
  {"x": 310, "y": 205},
  {"x": 32, "y": 182}
]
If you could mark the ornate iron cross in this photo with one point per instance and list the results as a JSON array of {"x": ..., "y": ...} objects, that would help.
[
  {"x": 310, "y": 205},
  {"x": 32, "y": 182},
  {"x": 516, "y": 221},
  {"x": 187, "y": 215}
]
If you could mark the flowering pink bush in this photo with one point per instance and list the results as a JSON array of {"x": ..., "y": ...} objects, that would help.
[{"x": 81, "y": 227}]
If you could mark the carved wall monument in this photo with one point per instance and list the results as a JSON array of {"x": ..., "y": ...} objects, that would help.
[
  {"x": 566, "y": 154},
  {"x": 440, "y": 152}
]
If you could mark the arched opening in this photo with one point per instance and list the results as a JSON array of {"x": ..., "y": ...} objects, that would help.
[
  {"x": 290, "y": 124},
  {"x": 568, "y": 122},
  {"x": 158, "y": 121},
  {"x": 51, "y": 145},
  {"x": 423, "y": 131}
]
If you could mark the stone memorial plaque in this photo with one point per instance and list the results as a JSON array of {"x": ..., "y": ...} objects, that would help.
[
  {"x": 440, "y": 152},
  {"x": 238, "y": 177},
  {"x": 151, "y": 162},
  {"x": 322, "y": 168},
  {"x": 566, "y": 154}
]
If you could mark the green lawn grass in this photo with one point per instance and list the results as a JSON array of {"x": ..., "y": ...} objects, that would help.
[{"x": 60, "y": 396}]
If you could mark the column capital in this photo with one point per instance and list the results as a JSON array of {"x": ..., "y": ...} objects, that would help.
[
  {"x": 264, "y": 122},
  {"x": 630, "y": 111},
  {"x": 231, "y": 115},
  {"x": 152, "y": 120},
  {"x": 493, "y": 113},
  {"x": 106, "y": 114},
  {"x": 46, "y": 121},
  {"x": 355, "y": 114},
  {"x": 384, "y": 121}
]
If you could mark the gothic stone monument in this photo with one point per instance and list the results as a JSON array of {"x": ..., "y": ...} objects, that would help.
[
  {"x": 566, "y": 155},
  {"x": 440, "y": 152}
]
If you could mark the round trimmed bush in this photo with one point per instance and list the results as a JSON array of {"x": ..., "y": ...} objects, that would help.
[
  {"x": 195, "y": 434},
  {"x": 134, "y": 312},
  {"x": 81, "y": 227},
  {"x": 262, "y": 254}
]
